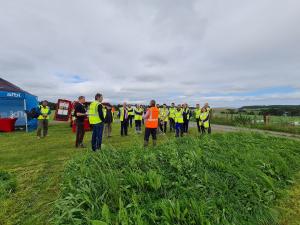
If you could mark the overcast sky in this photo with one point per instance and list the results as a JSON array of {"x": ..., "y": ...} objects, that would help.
[{"x": 229, "y": 53}]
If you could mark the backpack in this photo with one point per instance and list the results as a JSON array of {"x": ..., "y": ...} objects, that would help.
[{"x": 34, "y": 113}]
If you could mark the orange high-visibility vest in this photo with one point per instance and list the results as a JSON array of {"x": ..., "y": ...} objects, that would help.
[{"x": 152, "y": 121}]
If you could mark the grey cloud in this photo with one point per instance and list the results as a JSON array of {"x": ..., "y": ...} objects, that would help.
[
  {"x": 13, "y": 64},
  {"x": 154, "y": 60},
  {"x": 137, "y": 50},
  {"x": 149, "y": 78}
]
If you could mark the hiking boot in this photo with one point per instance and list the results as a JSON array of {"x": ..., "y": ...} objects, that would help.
[
  {"x": 154, "y": 142},
  {"x": 146, "y": 143}
]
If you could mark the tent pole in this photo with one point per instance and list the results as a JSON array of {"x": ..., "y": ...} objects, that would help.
[{"x": 26, "y": 122}]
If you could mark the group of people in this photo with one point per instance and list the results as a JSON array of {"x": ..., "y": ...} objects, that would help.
[{"x": 154, "y": 117}]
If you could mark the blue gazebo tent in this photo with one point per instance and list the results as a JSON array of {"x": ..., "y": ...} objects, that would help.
[{"x": 14, "y": 102}]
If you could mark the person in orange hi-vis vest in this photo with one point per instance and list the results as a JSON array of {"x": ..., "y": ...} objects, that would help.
[{"x": 151, "y": 123}]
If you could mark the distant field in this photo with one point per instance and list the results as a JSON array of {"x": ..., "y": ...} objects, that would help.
[{"x": 276, "y": 123}]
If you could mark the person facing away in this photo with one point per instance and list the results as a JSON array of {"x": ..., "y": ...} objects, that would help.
[
  {"x": 43, "y": 118},
  {"x": 138, "y": 115},
  {"x": 151, "y": 123},
  {"x": 80, "y": 115},
  {"x": 172, "y": 110},
  {"x": 209, "y": 111},
  {"x": 109, "y": 119},
  {"x": 197, "y": 116},
  {"x": 130, "y": 114},
  {"x": 178, "y": 117},
  {"x": 123, "y": 114},
  {"x": 164, "y": 117},
  {"x": 204, "y": 120},
  {"x": 96, "y": 119}
]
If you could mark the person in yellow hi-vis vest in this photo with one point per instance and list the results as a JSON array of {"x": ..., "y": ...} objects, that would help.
[
  {"x": 172, "y": 111},
  {"x": 138, "y": 116},
  {"x": 123, "y": 115},
  {"x": 43, "y": 118},
  {"x": 186, "y": 117},
  {"x": 179, "y": 121},
  {"x": 209, "y": 111},
  {"x": 204, "y": 120},
  {"x": 163, "y": 118},
  {"x": 130, "y": 114},
  {"x": 96, "y": 119},
  {"x": 197, "y": 113}
]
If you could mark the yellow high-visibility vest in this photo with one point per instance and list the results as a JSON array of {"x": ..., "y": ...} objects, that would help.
[
  {"x": 172, "y": 111},
  {"x": 197, "y": 113},
  {"x": 130, "y": 111},
  {"x": 93, "y": 113},
  {"x": 138, "y": 114},
  {"x": 179, "y": 116},
  {"x": 122, "y": 114},
  {"x": 163, "y": 114},
  {"x": 187, "y": 111},
  {"x": 44, "y": 110},
  {"x": 204, "y": 116}
]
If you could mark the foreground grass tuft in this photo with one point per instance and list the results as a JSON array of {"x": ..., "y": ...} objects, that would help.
[
  {"x": 8, "y": 184},
  {"x": 233, "y": 178}
]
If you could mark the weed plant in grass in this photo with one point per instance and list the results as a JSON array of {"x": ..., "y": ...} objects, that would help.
[{"x": 233, "y": 178}]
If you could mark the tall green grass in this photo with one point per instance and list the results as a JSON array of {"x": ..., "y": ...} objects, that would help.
[
  {"x": 8, "y": 184},
  {"x": 233, "y": 178}
]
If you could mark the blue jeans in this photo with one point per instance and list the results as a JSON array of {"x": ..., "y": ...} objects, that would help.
[
  {"x": 179, "y": 129},
  {"x": 97, "y": 136}
]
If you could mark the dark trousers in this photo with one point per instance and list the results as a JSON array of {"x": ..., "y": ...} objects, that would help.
[
  {"x": 198, "y": 125},
  {"x": 138, "y": 125},
  {"x": 209, "y": 128},
  {"x": 186, "y": 126},
  {"x": 203, "y": 130},
  {"x": 163, "y": 126},
  {"x": 172, "y": 124},
  {"x": 124, "y": 127},
  {"x": 79, "y": 133},
  {"x": 179, "y": 129},
  {"x": 97, "y": 136},
  {"x": 42, "y": 125},
  {"x": 148, "y": 132},
  {"x": 108, "y": 129},
  {"x": 130, "y": 118}
]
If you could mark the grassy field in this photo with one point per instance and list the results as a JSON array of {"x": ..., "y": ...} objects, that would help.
[
  {"x": 277, "y": 123},
  {"x": 259, "y": 118},
  {"x": 38, "y": 165}
]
